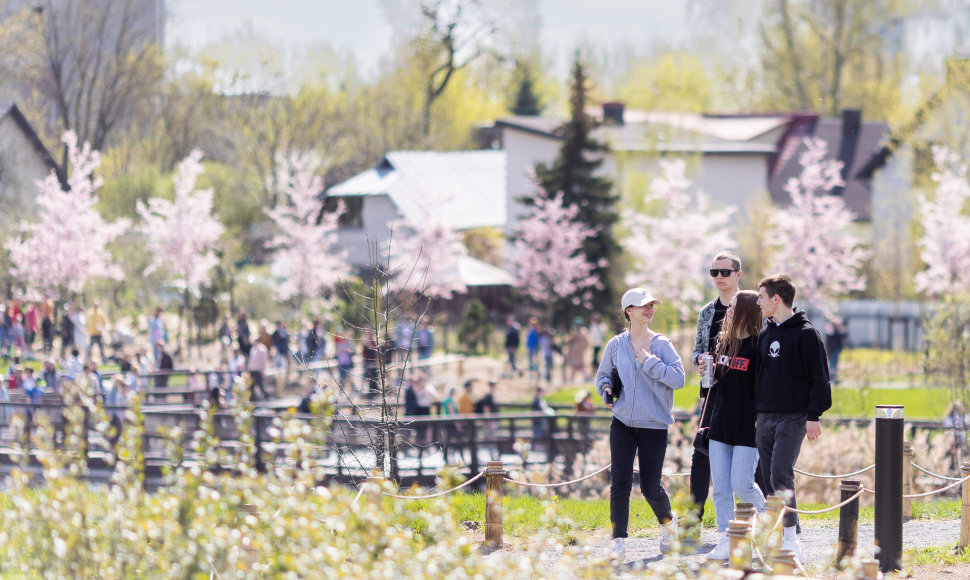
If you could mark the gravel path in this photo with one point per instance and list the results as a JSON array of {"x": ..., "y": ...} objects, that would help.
[{"x": 819, "y": 542}]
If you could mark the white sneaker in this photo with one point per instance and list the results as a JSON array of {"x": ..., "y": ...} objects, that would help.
[
  {"x": 668, "y": 533},
  {"x": 722, "y": 551},
  {"x": 790, "y": 541},
  {"x": 618, "y": 547}
]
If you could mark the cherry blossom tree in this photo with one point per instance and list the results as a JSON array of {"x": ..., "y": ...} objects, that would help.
[
  {"x": 68, "y": 245},
  {"x": 307, "y": 257},
  {"x": 945, "y": 243},
  {"x": 424, "y": 253},
  {"x": 546, "y": 255},
  {"x": 182, "y": 233},
  {"x": 672, "y": 248},
  {"x": 813, "y": 236}
]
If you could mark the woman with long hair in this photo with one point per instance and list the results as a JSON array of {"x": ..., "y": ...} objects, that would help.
[
  {"x": 733, "y": 451},
  {"x": 650, "y": 370}
]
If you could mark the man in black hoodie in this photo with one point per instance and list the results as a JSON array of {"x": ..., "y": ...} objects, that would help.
[{"x": 792, "y": 390}]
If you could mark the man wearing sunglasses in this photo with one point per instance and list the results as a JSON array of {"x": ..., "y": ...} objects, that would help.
[{"x": 726, "y": 275}]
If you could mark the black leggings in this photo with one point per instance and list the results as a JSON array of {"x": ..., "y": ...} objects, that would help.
[{"x": 651, "y": 446}]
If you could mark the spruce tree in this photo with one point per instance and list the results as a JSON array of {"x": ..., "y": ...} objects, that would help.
[
  {"x": 573, "y": 174},
  {"x": 526, "y": 100}
]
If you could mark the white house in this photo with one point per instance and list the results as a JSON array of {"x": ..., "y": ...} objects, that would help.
[
  {"x": 737, "y": 156},
  {"x": 463, "y": 189},
  {"x": 23, "y": 161}
]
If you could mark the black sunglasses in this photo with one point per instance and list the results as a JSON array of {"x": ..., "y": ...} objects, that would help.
[{"x": 724, "y": 272}]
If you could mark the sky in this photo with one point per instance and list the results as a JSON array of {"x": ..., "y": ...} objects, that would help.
[{"x": 361, "y": 27}]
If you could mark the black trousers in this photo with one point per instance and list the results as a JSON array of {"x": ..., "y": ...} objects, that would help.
[{"x": 651, "y": 446}]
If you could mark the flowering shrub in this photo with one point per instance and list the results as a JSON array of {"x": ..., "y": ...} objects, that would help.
[{"x": 239, "y": 523}]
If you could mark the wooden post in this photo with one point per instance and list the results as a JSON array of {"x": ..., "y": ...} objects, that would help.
[
  {"x": 907, "y": 481},
  {"x": 744, "y": 511},
  {"x": 494, "y": 486},
  {"x": 783, "y": 563},
  {"x": 740, "y": 541},
  {"x": 869, "y": 570},
  {"x": 848, "y": 521},
  {"x": 965, "y": 511},
  {"x": 774, "y": 506}
]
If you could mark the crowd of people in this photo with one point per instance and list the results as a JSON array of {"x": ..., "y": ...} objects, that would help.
[
  {"x": 768, "y": 362},
  {"x": 770, "y": 384}
]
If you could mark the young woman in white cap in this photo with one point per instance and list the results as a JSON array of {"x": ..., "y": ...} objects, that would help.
[{"x": 650, "y": 370}]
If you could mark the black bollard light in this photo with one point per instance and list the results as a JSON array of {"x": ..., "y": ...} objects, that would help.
[{"x": 889, "y": 486}]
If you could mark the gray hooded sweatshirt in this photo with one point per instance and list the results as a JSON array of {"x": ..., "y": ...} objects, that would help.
[{"x": 647, "y": 397}]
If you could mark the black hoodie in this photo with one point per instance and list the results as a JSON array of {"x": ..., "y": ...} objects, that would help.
[{"x": 793, "y": 371}]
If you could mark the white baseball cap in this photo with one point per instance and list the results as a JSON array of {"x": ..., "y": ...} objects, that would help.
[{"x": 638, "y": 297}]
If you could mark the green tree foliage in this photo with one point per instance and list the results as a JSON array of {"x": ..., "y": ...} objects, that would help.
[
  {"x": 830, "y": 54},
  {"x": 948, "y": 345},
  {"x": 574, "y": 174},
  {"x": 96, "y": 63},
  {"x": 474, "y": 328},
  {"x": 671, "y": 81},
  {"x": 526, "y": 102}
]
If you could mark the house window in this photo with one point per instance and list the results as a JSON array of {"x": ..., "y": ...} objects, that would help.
[{"x": 353, "y": 216}]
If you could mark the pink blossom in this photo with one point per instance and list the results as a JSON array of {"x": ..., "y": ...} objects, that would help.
[
  {"x": 424, "y": 254},
  {"x": 672, "y": 248},
  {"x": 813, "y": 236},
  {"x": 182, "y": 234},
  {"x": 307, "y": 257},
  {"x": 68, "y": 245},
  {"x": 945, "y": 243},
  {"x": 546, "y": 254}
]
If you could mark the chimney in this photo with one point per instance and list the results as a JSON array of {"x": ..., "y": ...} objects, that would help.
[
  {"x": 851, "y": 127},
  {"x": 613, "y": 113}
]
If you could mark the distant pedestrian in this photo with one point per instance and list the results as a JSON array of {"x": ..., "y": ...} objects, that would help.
[
  {"x": 597, "y": 337},
  {"x": 424, "y": 337},
  {"x": 258, "y": 361},
  {"x": 512, "y": 341},
  {"x": 157, "y": 334},
  {"x": 281, "y": 345},
  {"x": 243, "y": 336},
  {"x": 834, "y": 343},
  {"x": 532, "y": 347},
  {"x": 97, "y": 326}
]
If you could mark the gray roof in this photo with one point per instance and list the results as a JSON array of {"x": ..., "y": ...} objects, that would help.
[
  {"x": 12, "y": 111},
  {"x": 673, "y": 132},
  {"x": 464, "y": 189},
  {"x": 474, "y": 272},
  {"x": 858, "y": 190}
]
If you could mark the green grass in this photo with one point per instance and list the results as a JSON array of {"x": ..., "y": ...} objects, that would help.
[
  {"x": 847, "y": 401},
  {"x": 936, "y": 555},
  {"x": 525, "y": 515}
]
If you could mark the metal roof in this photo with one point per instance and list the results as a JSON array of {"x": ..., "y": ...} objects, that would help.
[
  {"x": 474, "y": 272},
  {"x": 673, "y": 132},
  {"x": 464, "y": 189}
]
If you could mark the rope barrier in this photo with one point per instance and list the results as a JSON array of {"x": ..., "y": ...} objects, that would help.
[
  {"x": 412, "y": 497},
  {"x": 936, "y": 491},
  {"x": 828, "y": 509},
  {"x": 869, "y": 491},
  {"x": 666, "y": 474},
  {"x": 528, "y": 484},
  {"x": 356, "y": 499},
  {"x": 841, "y": 476},
  {"x": 937, "y": 475}
]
